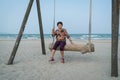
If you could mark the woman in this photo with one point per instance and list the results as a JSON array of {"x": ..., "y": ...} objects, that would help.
[{"x": 61, "y": 35}]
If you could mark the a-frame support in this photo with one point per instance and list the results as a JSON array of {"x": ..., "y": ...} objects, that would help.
[
  {"x": 11, "y": 59},
  {"x": 115, "y": 34}
]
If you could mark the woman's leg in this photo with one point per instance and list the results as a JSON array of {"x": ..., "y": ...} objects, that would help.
[
  {"x": 53, "y": 53},
  {"x": 62, "y": 45},
  {"x": 62, "y": 54},
  {"x": 54, "y": 49}
]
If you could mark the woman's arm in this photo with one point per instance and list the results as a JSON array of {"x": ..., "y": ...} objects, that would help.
[
  {"x": 70, "y": 41},
  {"x": 68, "y": 36},
  {"x": 53, "y": 32}
]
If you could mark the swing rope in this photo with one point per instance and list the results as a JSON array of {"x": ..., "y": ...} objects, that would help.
[
  {"x": 90, "y": 21},
  {"x": 90, "y": 26},
  {"x": 54, "y": 21}
]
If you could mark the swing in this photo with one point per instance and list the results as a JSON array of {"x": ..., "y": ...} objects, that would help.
[{"x": 89, "y": 47}]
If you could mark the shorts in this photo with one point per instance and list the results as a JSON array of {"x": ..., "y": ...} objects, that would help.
[{"x": 61, "y": 44}]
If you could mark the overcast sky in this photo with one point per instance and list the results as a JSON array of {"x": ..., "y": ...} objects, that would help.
[{"x": 73, "y": 13}]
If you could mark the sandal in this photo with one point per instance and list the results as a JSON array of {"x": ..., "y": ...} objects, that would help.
[
  {"x": 62, "y": 60},
  {"x": 52, "y": 59}
]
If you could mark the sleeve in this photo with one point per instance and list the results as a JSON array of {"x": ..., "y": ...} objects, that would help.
[{"x": 68, "y": 36}]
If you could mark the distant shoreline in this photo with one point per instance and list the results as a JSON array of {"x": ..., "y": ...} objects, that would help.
[{"x": 48, "y": 36}]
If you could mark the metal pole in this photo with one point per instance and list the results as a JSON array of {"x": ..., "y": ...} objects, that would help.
[
  {"x": 115, "y": 33},
  {"x": 40, "y": 27},
  {"x": 20, "y": 33}
]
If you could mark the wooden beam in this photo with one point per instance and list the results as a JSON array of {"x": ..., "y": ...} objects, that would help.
[
  {"x": 20, "y": 33},
  {"x": 40, "y": 27},
  {"x": 115, "y": 34},
  {"x": 89, "y": 47}
]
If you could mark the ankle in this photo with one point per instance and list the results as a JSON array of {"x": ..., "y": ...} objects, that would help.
[{"x": 62, "y": 60}]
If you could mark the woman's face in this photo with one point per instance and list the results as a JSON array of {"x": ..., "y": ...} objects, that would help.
[{"x": 59, "y": 26}]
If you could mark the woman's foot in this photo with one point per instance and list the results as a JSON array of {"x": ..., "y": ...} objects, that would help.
[
  {"x": 62, "y": 60},
  {"x": 51, "y": 59}
]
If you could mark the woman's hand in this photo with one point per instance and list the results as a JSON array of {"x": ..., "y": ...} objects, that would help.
[
  {"x": 53, "y": 31},
  {"x": 60, "y": 37},
  {"x": 71, "y": 41}
]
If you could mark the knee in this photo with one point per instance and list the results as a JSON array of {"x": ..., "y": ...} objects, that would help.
[
  {"x": 61, "y": 48},
  {"x": 54, "y": 47}
]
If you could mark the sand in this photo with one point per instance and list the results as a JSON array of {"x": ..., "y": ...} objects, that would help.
[{"x": 30, "y": 64}]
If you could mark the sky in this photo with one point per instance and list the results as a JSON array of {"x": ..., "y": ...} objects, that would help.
[{"x": 73, "y": 13}]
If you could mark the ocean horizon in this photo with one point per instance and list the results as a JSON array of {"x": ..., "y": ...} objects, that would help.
[{"x": 48, "y": 36}]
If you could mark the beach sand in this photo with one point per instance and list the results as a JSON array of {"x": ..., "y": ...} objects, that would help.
[{"x": 30, "y": 64}]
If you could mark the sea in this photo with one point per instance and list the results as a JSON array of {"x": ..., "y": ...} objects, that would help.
[{"x": 48, "y": 36}]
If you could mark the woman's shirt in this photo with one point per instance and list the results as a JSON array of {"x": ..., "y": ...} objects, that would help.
[{"x": 61, "y": 35}]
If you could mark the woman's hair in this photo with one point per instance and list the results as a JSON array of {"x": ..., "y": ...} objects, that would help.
[{"x": 59, "y": 23}]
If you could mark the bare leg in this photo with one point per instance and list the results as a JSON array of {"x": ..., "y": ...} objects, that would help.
[
  {"x": 62, "y": 55},
  {"x": 52, "y": 53},
  {"x": 62, "y": 44},
  {"x": 54, "y": 48}
]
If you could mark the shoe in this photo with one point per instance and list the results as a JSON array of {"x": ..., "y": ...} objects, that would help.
[
  {"x": 52, "y": 59},
  {"x": 62, "y": 60}
]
